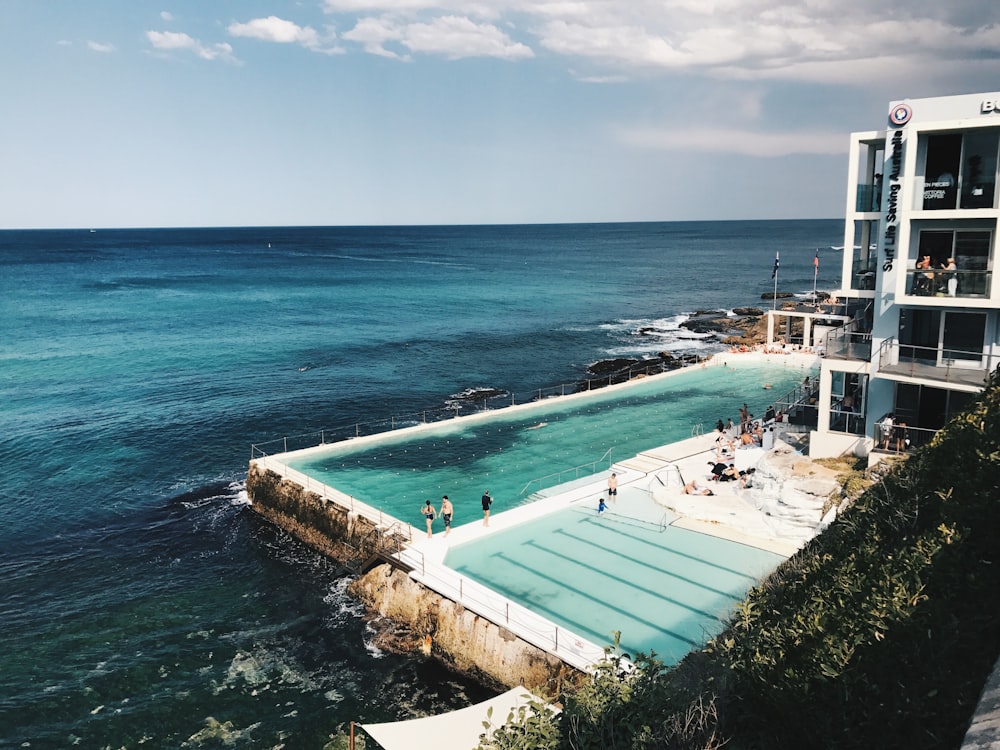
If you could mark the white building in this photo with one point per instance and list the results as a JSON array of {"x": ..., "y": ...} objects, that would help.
[{"x": 917, "y": 287}]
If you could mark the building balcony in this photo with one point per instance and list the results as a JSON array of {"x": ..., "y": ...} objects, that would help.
[
  {"x": 934, "y": 283},
  {"x": 844, "y": 344},
  {"x": 863, "y": 272},
  {"x": 868, "y": 198},
  {"x": 951, "y": 366},
  {"x": 900, "y": 438}
]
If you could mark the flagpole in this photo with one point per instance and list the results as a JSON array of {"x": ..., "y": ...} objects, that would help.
[
  {"x": 774, "y": 275},
  {"x": 815, "y": 273}
]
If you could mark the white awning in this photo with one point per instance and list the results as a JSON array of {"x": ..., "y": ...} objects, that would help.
[{"x": 455, "y": 730}]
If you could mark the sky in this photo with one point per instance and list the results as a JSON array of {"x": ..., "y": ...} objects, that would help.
[{"x": 134, "y": 113}]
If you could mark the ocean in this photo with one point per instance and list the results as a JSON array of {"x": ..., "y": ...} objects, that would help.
[{"x": 141, "y": 601}]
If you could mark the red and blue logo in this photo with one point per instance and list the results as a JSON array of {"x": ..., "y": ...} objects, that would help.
[{"x": 900, "y": 114}]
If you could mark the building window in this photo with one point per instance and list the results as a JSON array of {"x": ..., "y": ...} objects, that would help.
[
  {"x": 960, "y": 165},
  {"x": 847, "y": 402}
]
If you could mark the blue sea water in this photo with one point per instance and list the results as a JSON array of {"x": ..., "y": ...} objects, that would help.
[{"x": 141, "y": 601}]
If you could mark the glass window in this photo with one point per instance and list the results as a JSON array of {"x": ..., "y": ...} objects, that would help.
[
  {"x": 944, "y": 154},
  {"x": 979, "y": 170},
  {"x": 963, "y": 335}
]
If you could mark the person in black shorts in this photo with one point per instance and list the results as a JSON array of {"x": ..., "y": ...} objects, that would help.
[
  {"x": 447, "y": 510},
  {"x": 487, "y": 502},
  {"x": 613, "y": 487}
]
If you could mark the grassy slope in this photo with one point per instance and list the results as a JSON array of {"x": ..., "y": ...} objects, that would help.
[{"x": 882, "y": 631}]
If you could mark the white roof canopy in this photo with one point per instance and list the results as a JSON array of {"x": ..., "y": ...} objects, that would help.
[{"x": 455, "y": 730}]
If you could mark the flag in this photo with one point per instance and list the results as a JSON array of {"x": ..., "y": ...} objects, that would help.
[
  {"x": 775, "y": 271},
  {"x": 816, "y": 260}
]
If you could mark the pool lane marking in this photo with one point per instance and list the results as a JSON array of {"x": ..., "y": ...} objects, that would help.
[
  {"x": 670, "y": 550},
  {"x": 651, "y": 592},
  {"x": 601, "y": 602}
]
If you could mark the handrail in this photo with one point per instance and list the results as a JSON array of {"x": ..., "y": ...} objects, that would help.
[
  {"x": 524, "y": 489},
  {"x": 456, "y": 408},
  {"x": 934, "y": 362},
  {"x": 532, "y": 627}
]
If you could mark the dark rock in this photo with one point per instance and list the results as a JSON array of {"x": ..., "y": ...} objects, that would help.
[
  {"x": 478, "y": 394},
  {"x": 607, "y": 366},
  {"x": 779, "y": 295},
  {"x": 748, "y": 311}
]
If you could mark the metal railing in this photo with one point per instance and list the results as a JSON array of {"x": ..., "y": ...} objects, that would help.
[
  {"x": 846, "y": 344},
  {"x": 798, "y": 406},
  {"x": 459, "y": 406},
  {"x": 900, "y": 438},
  {"x": 591, "y": 467},
  {"x": 868, "y": 198},
  {"x": 863, "y": 272},
  {"x": 329, "y": 494},
  {"x": 568, "y": 646},
  {"x": 847, "y": 420},
  {"x": 940, "y": 283},
  {"x": 958, "y": 366}
]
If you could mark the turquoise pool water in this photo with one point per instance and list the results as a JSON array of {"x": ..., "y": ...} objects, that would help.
[
  {"x": 516, "y": 453},
  {"x": 666, "y": 590}
]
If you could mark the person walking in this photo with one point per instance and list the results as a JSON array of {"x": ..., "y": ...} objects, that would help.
[
  {"x": 487, "y": 503},
  {"x": 613, "y": 488},
  {"x": 428, "y": 513},
  {"x": 447, "y": 511}
]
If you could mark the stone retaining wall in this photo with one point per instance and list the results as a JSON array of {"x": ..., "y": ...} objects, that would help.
[{"x": 420, "y": 618}]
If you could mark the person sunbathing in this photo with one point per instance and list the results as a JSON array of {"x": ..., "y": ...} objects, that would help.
[
  {"x": 729, "y": 474},
  {"x": 692, "y": 488}
]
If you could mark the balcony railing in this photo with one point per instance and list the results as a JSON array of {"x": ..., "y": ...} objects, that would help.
[
  {"x": 863, "y": 271},
  {"x": 900, "y": 438},
  {"x": 955, "y": 366},
  {"x": 938, "y": 283},
  {"x": 868, "y": 198},
  {"x": 844, "y": 344}
]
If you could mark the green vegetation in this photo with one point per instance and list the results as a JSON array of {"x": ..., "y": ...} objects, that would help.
[{"x": 880, "y": 633}]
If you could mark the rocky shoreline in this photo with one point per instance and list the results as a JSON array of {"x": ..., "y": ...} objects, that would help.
[{"x": 744, "y": 326}]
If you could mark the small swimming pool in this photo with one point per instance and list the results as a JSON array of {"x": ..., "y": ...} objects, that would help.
[
  {"x": 516, "y": 453},
  {"x": 666, "y": 589}
]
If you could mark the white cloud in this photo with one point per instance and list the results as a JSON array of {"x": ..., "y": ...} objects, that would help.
[
  {"x": 274, "y": 29},
  {"x": 100, "y": 47},
  {"x": 734, "y": 39},
  {"x": 170, "y": 41},
  {"x": 740, "y": 142},
  {"x": 453, "y": 37},
  {"x": 373, "y": 34},
  {"x": 166, "y": 15},
  {"x": 457, "y": 37}
]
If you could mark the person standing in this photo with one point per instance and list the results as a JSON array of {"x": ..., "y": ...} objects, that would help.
[
  {"x": 447, "y": 510},
  {"x": 885, "y": 427},
  {"x": 613, "y": 487},
  {"x": 487, "y": 503},
  {"x": 428, "y": 513}
]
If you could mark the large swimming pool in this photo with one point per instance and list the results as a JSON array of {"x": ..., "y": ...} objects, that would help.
[{"x": 516, "y": 453}]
